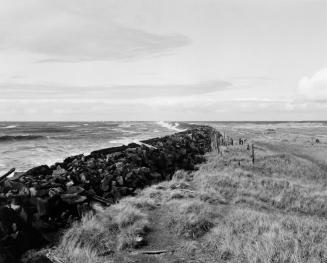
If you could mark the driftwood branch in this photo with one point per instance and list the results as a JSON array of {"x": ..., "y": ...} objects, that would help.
[
  {"x": 4, "y": 177},
  {"x": 153, "y": 252},
  {"x": 98, "y": 198},
  {"x": 252, "y": 154}
]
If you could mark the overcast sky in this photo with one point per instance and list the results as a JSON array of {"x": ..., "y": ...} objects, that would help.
[{"x": 163, "y": 60}]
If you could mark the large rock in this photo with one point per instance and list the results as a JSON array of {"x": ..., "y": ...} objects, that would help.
[
  {"x": 39, "y": 170},
  {"x": 16, "y": 235}
]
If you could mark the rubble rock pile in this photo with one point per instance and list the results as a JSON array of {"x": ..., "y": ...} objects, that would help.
[{"x": 56, "y": 195}]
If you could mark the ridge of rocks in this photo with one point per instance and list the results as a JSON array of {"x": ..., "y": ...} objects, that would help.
[{"x": 61, "y": 193}]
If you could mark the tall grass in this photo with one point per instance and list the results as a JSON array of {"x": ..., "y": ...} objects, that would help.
[
  {"x": 251, "y": 236},
  {"x": 118, "y": 227},
  {"x": 244, "y": 184},
  {"x": 234, "y": 211},
  {"x": 190, "y": 219}
]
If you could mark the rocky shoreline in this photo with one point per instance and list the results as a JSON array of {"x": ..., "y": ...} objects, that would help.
[{"x": 51, "y": 198}]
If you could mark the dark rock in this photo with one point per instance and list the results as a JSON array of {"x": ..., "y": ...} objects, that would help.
[
  {"x": 16, "y": 235},
  {"x": 38, "y": 259},
  {"x": 133, "y": 149},
  {"x": 82, "y": 178},
  {"x": 91, "y": 163},
  {"x": 59, "y": 172},
  {"x": 105, "y": 184},
  {"x": 73, "y": 198},
  {"x": 42, "y": 192},
  {"x": 6, "y": 255},
  {"x": 74, "y": 190},
  {"x": 39, "y": 170},
  {"x": 129, "y": 176},
  {"x": 108, "y": 151},
  {"x": 120, "y": 180},
  {"x": 156, "y": 175}
]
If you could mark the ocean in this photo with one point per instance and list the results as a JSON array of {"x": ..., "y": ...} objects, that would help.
[{"x": 24, "y": 145}]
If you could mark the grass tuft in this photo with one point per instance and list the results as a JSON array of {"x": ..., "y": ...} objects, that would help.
[
  {"x": 190, "y": 218},
  {"x": 119, "y": 227}
]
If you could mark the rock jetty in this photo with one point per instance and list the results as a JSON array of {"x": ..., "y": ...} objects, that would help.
[{"x": 50, "y": 198}]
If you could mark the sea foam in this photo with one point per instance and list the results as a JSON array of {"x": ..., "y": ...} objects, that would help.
[{"x": 170, "y": 126}]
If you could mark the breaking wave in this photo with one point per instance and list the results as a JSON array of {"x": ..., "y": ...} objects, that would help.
[
  {"x": 6, "y": 138},
  {"x": 170, "y": 125},
  {"x": 9, "y": 127},
  {"x": 122, "y": 141}
]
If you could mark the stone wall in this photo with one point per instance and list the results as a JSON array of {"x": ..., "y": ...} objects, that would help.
[
  {"x": 62, "y": 192},
  {"x": 37, "y": 204}
]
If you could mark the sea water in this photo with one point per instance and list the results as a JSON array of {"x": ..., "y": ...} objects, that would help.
[{"x": 24, "y": 145}]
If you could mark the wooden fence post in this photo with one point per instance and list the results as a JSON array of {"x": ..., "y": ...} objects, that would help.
[
  {"x": 4, "y": 177},
  {"x": 252, "y": 155}
]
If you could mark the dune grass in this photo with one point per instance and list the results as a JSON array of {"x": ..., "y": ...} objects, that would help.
[
  {"x": 276, "y": 208},
  {"x": 229, "y": 210},
  {"x": 252, "y": 185},
  {"x": 251, "y": 236},
  {"x": 191, "y": 219},
  {"x": 119, "y": 227}
]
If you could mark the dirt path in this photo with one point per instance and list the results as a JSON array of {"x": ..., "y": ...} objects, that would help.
[{"x": 158, "y": 239}]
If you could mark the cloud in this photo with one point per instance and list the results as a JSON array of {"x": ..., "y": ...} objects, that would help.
[
  {"x": 175, "y": 90},
  {"x": 95, "y": 43},
  {"x": 208, "y": 106},
  {"x": 142, "y": 102},
  {"x": 198, "y": 101},
  {"x": 59, "y": 33},
  {"x": 314, "y": 88},
  {"x": 38, "y": 92}
]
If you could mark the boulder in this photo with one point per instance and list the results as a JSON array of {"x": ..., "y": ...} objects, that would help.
[
  {"x": 120, "y": 180},
  {"x": 16, "y": 235},
  {"x": 59, "y": 172},
  {"x": 39, "y": 170}
]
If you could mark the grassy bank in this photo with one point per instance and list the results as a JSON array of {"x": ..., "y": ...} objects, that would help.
[{"x": 227, "y": 211}]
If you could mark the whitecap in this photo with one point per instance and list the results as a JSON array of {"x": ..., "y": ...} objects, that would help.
[
  {"x": 130, "y": 132},
  {"x": 142, "y": 143},
  {"x": 71, "y": 126},
  {"x": 122, "y": 141},
  {"x": 170, "y": 126},
  {"x": 9, "y": 127},
  {"x": 125, "y": 125}
]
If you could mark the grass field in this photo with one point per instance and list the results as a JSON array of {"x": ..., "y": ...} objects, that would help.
[{"x": 229, "y": 210}]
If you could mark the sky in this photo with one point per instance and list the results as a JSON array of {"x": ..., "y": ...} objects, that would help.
[{"x": 223, "y": 60}]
